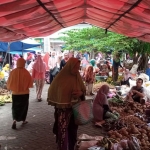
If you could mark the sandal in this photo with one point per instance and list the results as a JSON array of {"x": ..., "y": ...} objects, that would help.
[
  {"x": 39, "y": 100},
  {"x": 13, "y": 126},
  {"x": 25, "y": 122},
  {"x": 98, "y": 124}
]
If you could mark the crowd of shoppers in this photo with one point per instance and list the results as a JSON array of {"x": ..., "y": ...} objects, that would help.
[{"x": 67, "y": 88}]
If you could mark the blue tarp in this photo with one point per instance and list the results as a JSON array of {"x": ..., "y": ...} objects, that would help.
[{"x": 17, "y": 46}]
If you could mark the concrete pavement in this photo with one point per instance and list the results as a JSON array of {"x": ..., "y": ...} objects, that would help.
[{"x": 37, "y": 134}]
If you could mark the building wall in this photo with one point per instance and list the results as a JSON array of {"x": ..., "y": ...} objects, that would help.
[{"x": 52, "y": 42}]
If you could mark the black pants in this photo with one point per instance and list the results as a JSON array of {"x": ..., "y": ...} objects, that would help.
[{"x": 51, "y": 77}]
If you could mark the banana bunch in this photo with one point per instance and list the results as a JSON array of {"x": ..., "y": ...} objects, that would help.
[
  {"x": 1, "y": 74},
  {"x": 6, "y": 98},
  {"x": 109, "y": 80},
  {"x": 2, "y": 101},
  {"x": 120, "y": 78},
  {"x": 7, "y": 65},
  {"x": 106, "y": 143}
]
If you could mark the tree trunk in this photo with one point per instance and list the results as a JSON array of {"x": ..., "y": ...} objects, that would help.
[
  {"x": 135, "y": 58},
  {"x": 143, "y": 62},
  {"x": 92, "y": 54}
]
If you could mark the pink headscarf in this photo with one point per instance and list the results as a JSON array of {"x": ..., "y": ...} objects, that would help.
[
  {"x": 102, "y": 94},
  {"x": 39, "y": 65}
]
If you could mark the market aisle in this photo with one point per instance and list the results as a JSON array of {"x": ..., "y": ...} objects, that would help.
[{"x": 37, "y": 134}]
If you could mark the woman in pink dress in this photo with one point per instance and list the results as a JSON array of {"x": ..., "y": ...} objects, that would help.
[{"x": 38, "y": 74}]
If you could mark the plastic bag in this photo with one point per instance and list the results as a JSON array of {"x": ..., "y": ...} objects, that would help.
[
  {"x": 85, "y": 141},
  {"x": 144, "y": 77}
]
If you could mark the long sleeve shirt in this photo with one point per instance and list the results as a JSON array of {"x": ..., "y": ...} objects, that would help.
[{"x": 52, "y": 62}]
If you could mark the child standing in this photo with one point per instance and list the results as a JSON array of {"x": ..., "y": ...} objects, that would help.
[{"x": 89, "y": 78}]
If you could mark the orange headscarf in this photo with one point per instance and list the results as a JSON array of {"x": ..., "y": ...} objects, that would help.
[
  {"x": 64, "y": 84},
  {"x": 20, "y": 80}
]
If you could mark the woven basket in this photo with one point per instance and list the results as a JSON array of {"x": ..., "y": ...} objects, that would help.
[{"x": 83, "y": 112}]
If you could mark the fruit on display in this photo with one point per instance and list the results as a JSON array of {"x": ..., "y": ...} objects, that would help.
[
  {"x": 6, "y": 67},
  {"x": 5, "y": 98},
  {"x": 2, "y": 102},
  {"x": 109, "y": 80},
  {"x": 97, "y": 85},
  {"x": 132, "y": 122},
  {"x": 3, "y": 91},
  {"x": 1, "y": 74}
]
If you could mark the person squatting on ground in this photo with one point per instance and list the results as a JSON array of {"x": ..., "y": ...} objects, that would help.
[
  {"x": 38, "y": 74},
  {"x": 136, "y": 94},
  {"x": 66, "y": 89},
  {"x": 101, "y": 111},
  {"x": 19, "y": 82}
]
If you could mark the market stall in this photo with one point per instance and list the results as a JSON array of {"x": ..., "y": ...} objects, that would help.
[
  {"x": 132, "y": 129},
  {"x": 5, "y": 95}
]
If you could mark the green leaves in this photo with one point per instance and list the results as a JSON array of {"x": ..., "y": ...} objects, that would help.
[{"x": 94, "y": 38}]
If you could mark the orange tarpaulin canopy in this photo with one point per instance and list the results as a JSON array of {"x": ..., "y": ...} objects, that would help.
[{"x": 20, "y": 19}]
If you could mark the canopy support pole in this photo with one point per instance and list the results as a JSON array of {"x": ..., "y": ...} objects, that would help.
[
  {"x": 9, "y": 55},
  {"x": 4, "y": 59}
]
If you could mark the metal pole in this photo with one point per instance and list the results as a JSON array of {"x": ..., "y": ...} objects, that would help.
[
  {"x": 4, "y": 59},
  {"x": 9, "y": 55}
]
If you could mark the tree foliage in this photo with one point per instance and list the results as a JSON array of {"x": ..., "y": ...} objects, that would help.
[{"x": 94, "y": 38}]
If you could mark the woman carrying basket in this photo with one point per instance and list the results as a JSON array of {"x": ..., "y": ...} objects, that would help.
[{"x": 66, "y": 89}]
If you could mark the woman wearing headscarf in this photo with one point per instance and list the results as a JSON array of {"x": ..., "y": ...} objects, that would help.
[
  {"x": 19, "y": 82},
  {"x": 38, "y": 74},
  {"x": 45, "y": 59},
  {"x": 66, "y": 89},
  {"x": 101, "y": 110},
  {"x": 29, "y": 58},
  {"x": 93, "y": 63},
  {"x": 89, "y": 78}
]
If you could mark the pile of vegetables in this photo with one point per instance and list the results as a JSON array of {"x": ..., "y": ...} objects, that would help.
[
  {"x": 142, "y": 133},
  {"x": 115, "y": 102},
  {"x": 129, "y": 108},
  {"x": 132, "y": 122}
]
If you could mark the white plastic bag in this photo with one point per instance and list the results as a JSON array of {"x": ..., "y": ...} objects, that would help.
[{"x": 144, "y": 77}]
